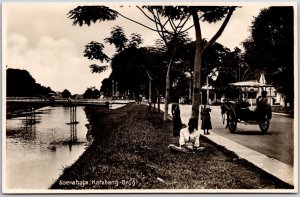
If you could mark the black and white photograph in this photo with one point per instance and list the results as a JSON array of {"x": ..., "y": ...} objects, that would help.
[{"x": 127, "y": 97}]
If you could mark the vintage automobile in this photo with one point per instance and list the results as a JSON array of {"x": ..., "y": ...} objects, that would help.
[{"x": 242, "y": 111}]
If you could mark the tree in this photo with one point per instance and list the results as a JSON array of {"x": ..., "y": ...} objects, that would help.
[
  {"x": 94, "y": 50},
  {"x": 21, "y": 83},
  {"x": 134, "y": 68},
  {"x": 118, "y": 38},
  {"x": 216, "y": 58},
  {"x": 128, "y": 71},
  {"x": 170, "y": 37},
  {"x": 270, "y": 48},
  {"x": 66, "y": 93},
  {"x": 209, "y": 14},
  {"x": 106, "y": 87},
  {"x": 91, "y": 93},
  {"x": 169, "y": 22}
]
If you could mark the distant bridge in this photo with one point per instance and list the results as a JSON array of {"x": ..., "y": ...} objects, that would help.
[{"x": 65, "y": 101}]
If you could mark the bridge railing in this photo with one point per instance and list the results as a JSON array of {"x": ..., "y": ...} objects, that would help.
[
  {"x": 59, "y": 100},
  {"x": 27, "y": 99},
  {"x": 64, "y": 100}
]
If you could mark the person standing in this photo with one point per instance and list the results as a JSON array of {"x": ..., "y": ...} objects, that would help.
[
  {"x": 177, "y": 124},
  {"x": 205, "y": 118},
  {"x": 263, "y": 107}
]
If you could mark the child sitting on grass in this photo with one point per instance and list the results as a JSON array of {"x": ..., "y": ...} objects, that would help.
[{"x": 189, "y": 138}]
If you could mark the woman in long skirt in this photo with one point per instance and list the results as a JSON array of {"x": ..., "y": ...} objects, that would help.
[
  {"x": 205, "y": 117},
  {"x": 177, "y": 124}
]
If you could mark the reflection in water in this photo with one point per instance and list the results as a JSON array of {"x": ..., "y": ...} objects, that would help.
[
  {"x": 36, "y": 153},
  {"x": 30, "y": 131},
  {"x": 73, "y": 128},
  {"x": 30, "y": 122},
  {"x": 30, "y": 116}
]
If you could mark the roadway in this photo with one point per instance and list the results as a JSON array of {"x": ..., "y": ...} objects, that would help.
[{"x": 277, "y": 143}]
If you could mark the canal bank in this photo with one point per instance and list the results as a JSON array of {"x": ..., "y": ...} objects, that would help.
[{"x": 130, "y": 151}]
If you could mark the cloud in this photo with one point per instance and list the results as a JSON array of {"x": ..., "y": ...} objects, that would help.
[{"x": 57, "y": 63}]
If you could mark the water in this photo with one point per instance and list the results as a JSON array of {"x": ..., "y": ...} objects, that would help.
[{"x": 36, "y": 154}]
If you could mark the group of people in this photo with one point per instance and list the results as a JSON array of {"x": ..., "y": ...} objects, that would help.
[{"x": 189, "y": 137}]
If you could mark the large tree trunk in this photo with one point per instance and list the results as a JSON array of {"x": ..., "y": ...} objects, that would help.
[
  {"x": 198, "y": 57},
  {"x": 190, "y": 87},
  {"x": 167, "y": 96},
  {"x": 197, "y": 68}
]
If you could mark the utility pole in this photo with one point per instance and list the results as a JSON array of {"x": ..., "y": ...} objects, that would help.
[
  {"x": 150, "y": 95},
  {"x": 113, "y": 88},
  {"x": 116, "y": 86}
]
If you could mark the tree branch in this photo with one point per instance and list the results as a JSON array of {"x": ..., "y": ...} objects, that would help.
[
  {"x": 173, "y": 26},
  {"x": 192, "y": 25},
  {"x": 184, "y": 22},
  {"x": 145, "y": 14},
  {"x": 244, "y": 74},
  {"x": 157, "y": 23},
  {"x": 148, "y": 73},
  {"x": 233, "y": 73},
  {"x": 160, "y": 22},
  {"x": 164, "y": 25},
  {"x": 137, "y": 22},
  {"x": 220, "y": 31}
]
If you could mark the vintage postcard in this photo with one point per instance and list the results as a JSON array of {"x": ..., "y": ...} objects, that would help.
[{"x": 150, "y": 97}]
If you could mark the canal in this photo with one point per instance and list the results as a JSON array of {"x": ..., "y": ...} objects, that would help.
[{"x": 39, "y": 147}]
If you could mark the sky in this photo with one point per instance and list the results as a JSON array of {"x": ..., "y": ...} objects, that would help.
[{"x": 41, "y": 39}]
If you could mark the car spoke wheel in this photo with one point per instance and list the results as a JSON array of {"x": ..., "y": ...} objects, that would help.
[
  {"x": 223, "y": 118},
  {"x": 264, "y": 125},
  {"x": 231, "y": 121}
]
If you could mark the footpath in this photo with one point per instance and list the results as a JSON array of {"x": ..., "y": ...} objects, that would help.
[{"x": 272, "y": 166}]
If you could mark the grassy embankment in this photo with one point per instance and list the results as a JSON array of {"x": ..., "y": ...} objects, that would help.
[{"x": 130, "y": 151}]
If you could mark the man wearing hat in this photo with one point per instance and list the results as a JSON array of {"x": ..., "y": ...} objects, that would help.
[{"x": 263, "y": 107}]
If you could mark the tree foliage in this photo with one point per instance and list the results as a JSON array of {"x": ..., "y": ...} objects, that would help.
[
  {"x": 229, "y": 64},
  {"x": 170, "y": 23},
  {"x": 135, "y": 40},
  {"x": 20, "y": 83},
  {"x": 91, "y": 14},
  {"x": 271, "y": 47},
  {"x": 91, "y": 93},
  {"x": 106, "y": 87},
  {"x": 94, "y": 50},
  {"x": 66, "y": 93},
  {"x": 118, "y": 38}
]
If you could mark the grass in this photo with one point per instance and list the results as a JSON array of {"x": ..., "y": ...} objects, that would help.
[{"x": 130, "y": 151}]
